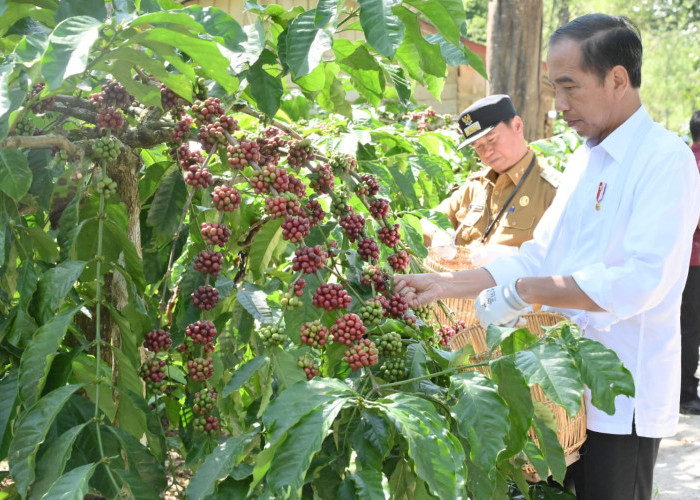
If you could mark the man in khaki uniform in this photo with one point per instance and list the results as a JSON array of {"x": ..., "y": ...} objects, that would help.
[{"x": 497, "y": 209}]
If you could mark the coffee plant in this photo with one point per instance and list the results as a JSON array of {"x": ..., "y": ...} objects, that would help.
[{"x": 201, "y": 225}]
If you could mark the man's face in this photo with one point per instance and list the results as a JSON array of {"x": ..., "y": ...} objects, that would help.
[
  {"x": 503, "y": 147},
  {"x": 587, "y": 104}
]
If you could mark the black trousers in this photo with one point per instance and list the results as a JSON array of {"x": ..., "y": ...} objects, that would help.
[
  {"x": 690, "y": 334},
  {"x": 614, "y": 467}
]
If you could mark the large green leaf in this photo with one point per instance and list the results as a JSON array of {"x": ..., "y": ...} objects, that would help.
[
  {"x": 244, "y": 373},
  {"x": 383, "y": 30},
  {"x": 15, "y": 176},
  {"x": 603, "y": 373},
  {"x": 545, "y": 425},
  {"x": 300, "y": 443},
  {"x": 30, "y": 430},
  {"x": 368, "y": 484},
  {"x": 447, "y": 16},
  {"x": 513, "y": 388},
  {"x": 53, "y": 461},
  {"x": 73, "y": 485},
  {"x": 550, "y": 367},
  {"x": 55, "y": 284},
  {"x": 429, "y": 57},
  {"x": 8, "y": 395},
  {"x": 286, "y": 369},
  {"x": 481, "y": 416},
  {"x": 265, "y": 88},
  {"x": 68, "y": 50},
  {"x": 437, "y": 454},
  {"x": 44, "y": 245},
  {"x": 135, "y": 485},
  {"x": 220, "y": 25},
  {"x": 72, "y": 8},
  {"x": 140, "y": 460},
  {"x": 217, "y": 466},
  {"x": 166, "y": 209},
  {"x": 326, "y": 12},
  {"x": 402, "y": 85},
  {"x": 371, "y": 440},
  {"x": 254, "y": 300},
  {"x": 306, "y": 44},
  {"x": 264, "y": 244},
  {"x": 366, "y": 73},
  {"x": 132, "y": 261},
  {"x": 36, "y": 359}
]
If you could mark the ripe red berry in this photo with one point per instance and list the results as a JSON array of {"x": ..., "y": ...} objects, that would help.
[
  {"x": 295, "y": 229},
  {"x": 200, "y": 369},
  {"x": 314, "y": 212},
  {"x": 395, "y": 306},
  {"x": 226, "y": 198},
  {"x": 368, "y": 249},
  {"x": 201, "y": 332},
  {"x": 348, "y": 330},
  {"x": 362, "y": 354},
  {"x": 158, "y": 340},
  {"x": 331, "y": 296},
  {"x": 209, "y": 262},
  {"x": 352, "y": 225},
  {"x": 314, "y": 334},
  {"x": 198, "y": 177},
  {"x": 379, "y": 208},
  {"x": 399, "y": 260},
  {"x": 205, "y": 297},
  {"x": 309, "y": 259},
  {"x": 323, "y": 180},
  {"x": 215, "y": 234},
  {"x": 389, "y": 236},
  {"x": 308, "y": 365}
]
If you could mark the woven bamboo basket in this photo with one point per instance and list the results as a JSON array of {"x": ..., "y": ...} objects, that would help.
[
  {"x": 458, "y": 309},
  {"x": 571, "y": 430}
]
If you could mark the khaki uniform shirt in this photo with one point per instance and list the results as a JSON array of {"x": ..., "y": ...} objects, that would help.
[{"x": 474, "y": 205}]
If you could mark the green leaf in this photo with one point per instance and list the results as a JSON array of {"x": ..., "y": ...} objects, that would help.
[
  {"x": 263, "y": 246},
  {"x": 72, "y": 485},
  {"x": 15, "y": 176},
  {"x": 306, "y": 44},
  {"x": 286, "y": 369},
  {"x": 550, "y": 367},
  {"x": 168, "y": 202},
  {"x": 362, "y": 67},
  {"x": 53, "y": 461},
  {"x": 135, "y": 485},
  {"x": 447, "y": 16},
  {"x": 414, "y": 235},
  {"x": 368, "y": 484},
  {"x": 454, "y": 55},
  {"x": 244, "y": 373},
  {"x": 45, "y": 246},
  {"x": 132, "y": 260},
  {"x": 36, "y": 359},
  {"x": 55, "y": 284},
  {"x": 402, "y": 482},
  {"x": 8, "y": 395},
  {"x": 265, "y": 88},
  {"x": 383, "y": 30},
  {"x": 73, "y": 8},
  {"x": 140, "y": 460},
  {"x": 400, "y": 82},
  {"x": 603, "y": 372},
  {"x": 68, "y": 50},
  {"x": 513, "y": 388},
  {"x": 437, "y": 454},
  {"x": 254, "y": 300},
  {"x": 217, "y": 466},
  {"x": 481, "y": 416},
  {"x": 300, "y": 443},
  {"x": 545, "y": 425},
  {"x": 371, "y": 441},
  {"x": 326, "y": 13},
  {"x": 406, "y": 184},
  {"x": 251, "y": 48},
  {"x": 30, "y": 430},
  {"x": 414, "y": 45}
]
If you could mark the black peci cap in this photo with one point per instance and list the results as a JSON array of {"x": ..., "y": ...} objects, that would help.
[{"x": 481, "y": 117}]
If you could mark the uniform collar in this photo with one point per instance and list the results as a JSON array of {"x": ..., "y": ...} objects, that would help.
[
  {"x": 515, "y": 173},
  {"x": 618, "y": 142}
]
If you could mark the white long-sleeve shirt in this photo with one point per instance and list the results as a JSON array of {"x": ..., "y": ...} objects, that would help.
[{"x": 630, "y": 257}]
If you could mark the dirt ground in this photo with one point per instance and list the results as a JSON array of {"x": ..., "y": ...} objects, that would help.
[{"x": 677, "y": 472}]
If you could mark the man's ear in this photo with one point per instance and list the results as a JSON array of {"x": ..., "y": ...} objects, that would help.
[
  {"x": 620, "y": 79},
  {"x": 517, "y": 124}
]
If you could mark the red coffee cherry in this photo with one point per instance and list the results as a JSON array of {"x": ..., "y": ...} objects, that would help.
[
  {"x": 200, "y": 369},
  {"x": 205, "y": 297},
  {"x": 295, "y": 229},
  {"x": 348, "y": 330},
  {"x": 201, "y": 332},
  {"x": 226, "y": 198},
  {"x": 379, "y": 208},
  {"x": 399, "y": 260},
  {"x": 363, "y": 354},
  {"x": 215, "y": 234},
  {"x": 331, "y": 296},
  {"x": 314, "y": 334},
  {"x": 309, "y": 259},
  {"x": 368, "y": 249},
  {"x": 158, "y": 340}
]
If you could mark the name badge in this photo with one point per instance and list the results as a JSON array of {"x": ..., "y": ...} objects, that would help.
[{"x": 476, "y": 207}]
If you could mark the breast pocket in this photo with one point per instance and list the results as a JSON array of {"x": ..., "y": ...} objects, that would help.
[{"x": 515, "y": 229}]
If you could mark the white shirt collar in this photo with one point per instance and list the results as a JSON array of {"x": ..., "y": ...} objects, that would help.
[{"x": 620, "y": 139}]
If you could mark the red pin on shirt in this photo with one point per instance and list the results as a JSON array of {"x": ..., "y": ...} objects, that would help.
[{"x": 599, "y": 196}]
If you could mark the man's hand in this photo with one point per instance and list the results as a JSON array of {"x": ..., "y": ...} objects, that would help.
[
  {"x": 418, "y": 289},
  {"x": 499, "y": 305}
]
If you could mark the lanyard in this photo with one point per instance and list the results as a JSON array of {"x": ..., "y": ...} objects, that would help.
[{"x": 510, "y": 198}]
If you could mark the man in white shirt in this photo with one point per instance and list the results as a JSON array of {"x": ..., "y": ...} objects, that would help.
[{"x": 611, "y": 252}]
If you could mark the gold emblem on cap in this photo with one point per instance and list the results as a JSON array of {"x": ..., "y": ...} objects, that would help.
[
  {"x": 471, "y": 129},
  {"x": 524, "y": 201},
  {"x": 466, "y": 119}
]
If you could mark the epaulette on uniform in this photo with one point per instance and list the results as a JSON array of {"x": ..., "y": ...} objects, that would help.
[
  {"x": 551, "y": 175},
  {"x": 479, "y": 173}
]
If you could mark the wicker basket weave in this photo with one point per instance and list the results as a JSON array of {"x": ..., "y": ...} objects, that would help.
[
  {"x": 571, "y": 430},
  {"x": 457, "y": 309}
]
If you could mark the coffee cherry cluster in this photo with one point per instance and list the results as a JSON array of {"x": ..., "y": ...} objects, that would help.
[
  {"x": 269, "y": 177},
  {"x": 243, "y": 154},
  {"x": 379, "y": 208},
  {"x": 204, "y": 402},
  {"x": 200, "y": 369},
  {"x": 343, "y": 163},
  {"x": 389, "y": 236},
  {"x": 423, "y": 312},
  {"x": 297, "y": 187},
  {"x": 198, "y": 177},
  {"x": 422, "y": 118},
  {"x": 168, "y": 98},
  {"x": 24, "y": 125},
  {"x": 43, "y": 105},
  {"x": 395, "y": 306},
  {"x": 393, "y": 369},
  {"x": 371, "y": 313},
  {"x": 106, "y": 186},
  {"x": 205, "y": 297},
  {"x": 207, "y": 111},
  {"x": 323, "y": 180},
  {"x": 399, "y": 260},
  {"x": 272, "y": 336},
  {"x": 374, "y": 275},
  {"x": 348, "y": 330},
  {"x": 211, "y": 134},
  {"x": 185, "y": 157},
  {"x": 269, "y": 149},
  {"x": 158, "y": 340},
  {"x": 281, "y": 206},
  {"x": 309, "y": 259},
  {"x": 362, "y": 354},
  {"x": 308, "y": 365},
  {"x": 295, "y": 229},
  {"x": 368, "y": 249},
  {"x": 209, "y": 262},
  {"x": 114, "y": 94},
  {"x": 352, "y": 224},
  {"x": 289, "y": 300},
  {"x": 339, "y": 202},
  {"x": 215, "y": 234},
  {"x": 300, "y": 152},
  {"x": 314, "y": 334},
  {"x": 110, "y": 118},
  {"x": 106, "y": 148},
  {"x": 314, "y": 212},
  {"x": 390, "y": 345},
  {"x": 445, "y": 333},
  {"x": 207, "y": 425},
  {"x": 371, "y": 183},
  {"x": 153, "y": 373},
  {"x": 226, "y": 198},
  {"x": 182, "y": 130},
  {"x": 331, "y": 296},
  {"x": 201, "y": 332}
]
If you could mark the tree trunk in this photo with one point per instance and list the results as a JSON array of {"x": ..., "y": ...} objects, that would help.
[{"x": 513, "y": 58}]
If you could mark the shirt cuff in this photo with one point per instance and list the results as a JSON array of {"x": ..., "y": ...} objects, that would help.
[
  {"x": 504, "y": 269},
  {"x": 589, "y": 279}
]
